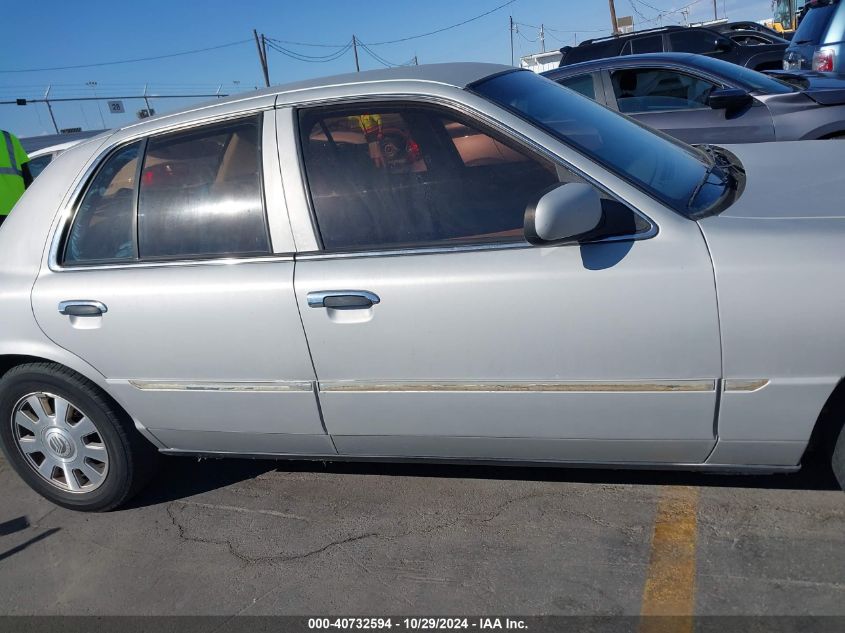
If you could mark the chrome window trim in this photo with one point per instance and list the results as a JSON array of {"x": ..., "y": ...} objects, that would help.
[
  {"x": 463, "y": 248},
  {"x": 473, "y": 114},
  {"x": 216, "y": 261},
  {"x": 69, "y": 209}
]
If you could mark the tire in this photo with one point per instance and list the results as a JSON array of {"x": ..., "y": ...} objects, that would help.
[
  {"x": 69, "y": 441},
  {"x": 837, "y": 459}
]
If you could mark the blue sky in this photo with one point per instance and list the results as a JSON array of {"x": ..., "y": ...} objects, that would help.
[{"x": 51, "y": 33}]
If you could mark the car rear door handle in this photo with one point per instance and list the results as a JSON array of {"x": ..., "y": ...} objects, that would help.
[
  {"x": 343, "y": 299},
  {"x": 82, "y": 308}
]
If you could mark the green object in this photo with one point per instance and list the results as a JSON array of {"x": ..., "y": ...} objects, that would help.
[{"x": 12, "y": 159}]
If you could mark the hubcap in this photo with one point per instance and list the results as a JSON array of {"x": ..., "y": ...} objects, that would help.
[{"x": 59, "y": 442}]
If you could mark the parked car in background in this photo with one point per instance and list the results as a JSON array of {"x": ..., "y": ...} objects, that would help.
[
  {"x": 701, "y": 40},
  {"x": 755, "y": 38},
  {"x": 731, "y": 27},
  {"x": 699, "y": 99},
  {"x": 40, "y": 158},
  {"x": 518, "y": 275},
  {"x": 819, "y": 42}
]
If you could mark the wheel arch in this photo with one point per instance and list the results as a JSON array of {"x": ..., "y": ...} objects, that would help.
[
  {"x": 9, "y": 359},
  {"x": 828, "y": 424}
]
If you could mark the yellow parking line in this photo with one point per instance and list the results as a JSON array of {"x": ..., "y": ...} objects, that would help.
[{"x": 670, "y": 584}]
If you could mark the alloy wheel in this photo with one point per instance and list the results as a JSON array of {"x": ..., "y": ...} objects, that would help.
[{"x": 59, "y": 442}]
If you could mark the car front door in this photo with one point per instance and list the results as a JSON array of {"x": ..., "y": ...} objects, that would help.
[
  {"x": 436, "y": 330},
  {"x": 166, "y": 282},
  {"x": 677, "y": 103}
]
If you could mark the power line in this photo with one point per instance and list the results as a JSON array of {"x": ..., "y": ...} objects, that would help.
[
  {"x": 445, "y": 28},
  {"x": 129, "y": 61},
  {"x": 320, "y": 59},
  {"x": 382, "y": 60}
]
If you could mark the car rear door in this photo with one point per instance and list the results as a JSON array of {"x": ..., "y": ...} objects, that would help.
[
  {"x": 168, "y": 283},
  {"x": 436, "y": 330},
  {"x": 676, "y": 101}
]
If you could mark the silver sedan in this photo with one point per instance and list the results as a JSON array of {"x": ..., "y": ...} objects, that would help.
[{"x": 457, "y": 262}]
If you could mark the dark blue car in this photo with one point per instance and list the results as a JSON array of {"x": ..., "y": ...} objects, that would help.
[{"x": 699, "y": 99}]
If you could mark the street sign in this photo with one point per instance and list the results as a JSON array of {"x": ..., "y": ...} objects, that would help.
[{"x": 116, "y": 107}]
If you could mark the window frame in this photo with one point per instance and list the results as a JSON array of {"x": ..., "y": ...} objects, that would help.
[
  {"x": 485, "y": 124},
  {"x": 57, "y": 257}
]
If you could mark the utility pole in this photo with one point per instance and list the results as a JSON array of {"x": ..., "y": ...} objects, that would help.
[
  {"x": 542, "y": 38},
  {"x": 715, "y": 11},
  {"x": 147, "y": 102},
  {"x": 510, "y": 17},
  {"x": 261, "y": 45},
  {"x": 50, "y": 108},
  {"x": 355, "y": 52},
  {"x": 613, "y": 17},
  {"x": 93, "y": 85}
]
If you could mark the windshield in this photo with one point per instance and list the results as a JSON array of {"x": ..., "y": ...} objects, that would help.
[
  {"x": 750, "y": 79},
  {"x": 675, "y": 173}
]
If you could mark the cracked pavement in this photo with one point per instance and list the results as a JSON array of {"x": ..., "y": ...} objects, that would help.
[{"x": 262, "y": 537}]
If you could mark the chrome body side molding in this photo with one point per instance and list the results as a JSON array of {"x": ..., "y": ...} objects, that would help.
[
  {"x": 585, "y": 386},
  {"x": 297, "y": 386}
]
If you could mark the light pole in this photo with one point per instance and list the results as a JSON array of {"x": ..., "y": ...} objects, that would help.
[{"x": 93, "y": 85}]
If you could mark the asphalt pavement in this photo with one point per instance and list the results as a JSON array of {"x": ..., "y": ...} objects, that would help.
[{"x": 260, "y": 537}]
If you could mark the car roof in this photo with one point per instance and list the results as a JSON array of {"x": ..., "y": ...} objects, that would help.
[
  {"x": 685, "y": 59},
  {"x": 458, "y": 74}
]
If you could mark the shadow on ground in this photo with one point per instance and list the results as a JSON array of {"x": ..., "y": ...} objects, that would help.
[{"x": 182, "y": 477}]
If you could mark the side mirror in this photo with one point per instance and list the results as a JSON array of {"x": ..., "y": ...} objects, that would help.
[
  {"x": 729, "y": 99},
  {"x": 722, "y": 45},
  {"x": 563, "y": 214}
]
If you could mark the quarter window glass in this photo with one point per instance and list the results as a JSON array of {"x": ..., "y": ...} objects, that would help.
[
  {"x": 582, "y": 84},
  {"x": 693, "y": 41},
  {"x": 644, "y": 90},
  {"x": 411, "y": 176},
  {"x": 103, "y": 229},
  {"x": 200, "y": 194}
]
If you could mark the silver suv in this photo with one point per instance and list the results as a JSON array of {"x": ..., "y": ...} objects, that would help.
[
  {"x": 819, "y": 41},
  {"x": 461, "y": 261}
]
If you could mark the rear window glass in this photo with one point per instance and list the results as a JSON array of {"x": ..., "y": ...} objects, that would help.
[
  {"x": 580, "y": 83},
  {"x": 650, "y": 44},
  {"x": 812, "y": 27},
  {"x": 201, "y": 194}
]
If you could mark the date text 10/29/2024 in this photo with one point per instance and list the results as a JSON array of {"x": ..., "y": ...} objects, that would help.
[{"x": 417, "y": 624}]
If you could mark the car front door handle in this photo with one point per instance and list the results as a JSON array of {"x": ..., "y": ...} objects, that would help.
[
  {"x": 82, "y": 308},
  {"x": 343, "y": 299}
]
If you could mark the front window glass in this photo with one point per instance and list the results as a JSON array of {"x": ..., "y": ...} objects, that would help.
[
  {"x": 666, "y": 168},
  {"x": 656, "y": 89},
  {"x": 103, "y": 229},
  {"x": 750, "y": 79},
  {"x": 384, "y": 177}
]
